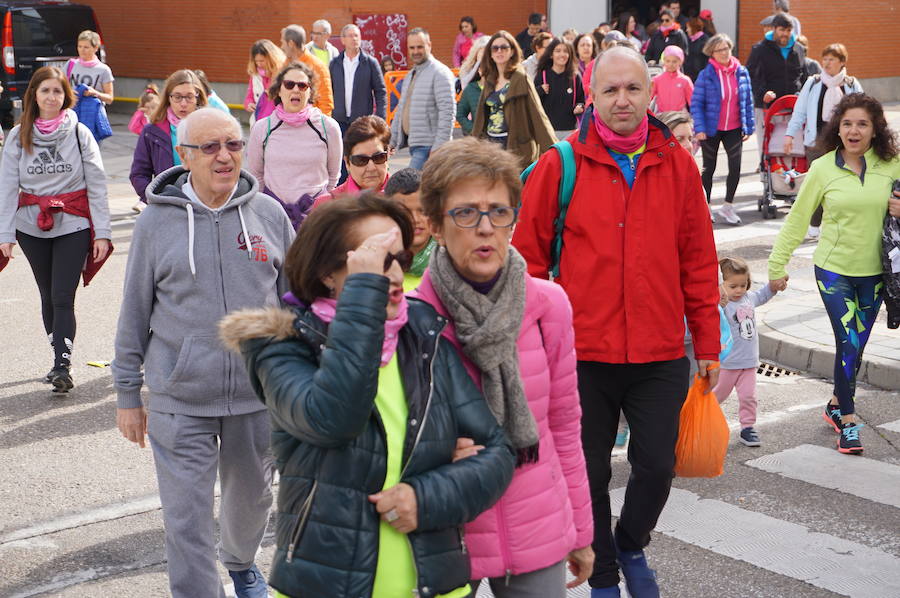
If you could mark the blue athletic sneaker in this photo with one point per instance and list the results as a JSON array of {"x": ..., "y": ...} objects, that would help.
[
  {"x": 249, "y": 583},
  {"x": 848, "y": 441},
  {"x": 622, "y": 436},
  {"x": 640, "y": 579},
  {"x": 612, "y": 592},
  {"x": 833, "y": 416}
]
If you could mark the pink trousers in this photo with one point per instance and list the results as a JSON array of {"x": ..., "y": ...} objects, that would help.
[{"x": 745, "y": 383}]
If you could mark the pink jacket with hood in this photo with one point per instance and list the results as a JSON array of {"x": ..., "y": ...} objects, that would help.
[{"x": 546, "y": 511}]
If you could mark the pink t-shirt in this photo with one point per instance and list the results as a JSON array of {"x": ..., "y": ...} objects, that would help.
[{"x": 672, "y": 91}]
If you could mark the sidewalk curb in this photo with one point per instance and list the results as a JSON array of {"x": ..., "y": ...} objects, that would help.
[{"x": 815, "y": 358}]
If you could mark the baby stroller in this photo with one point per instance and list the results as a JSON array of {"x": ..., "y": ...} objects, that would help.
[{"x": 781, "y": 173}]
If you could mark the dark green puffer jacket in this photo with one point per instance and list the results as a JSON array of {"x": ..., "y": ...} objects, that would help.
[{"x": 319, "y": 383}]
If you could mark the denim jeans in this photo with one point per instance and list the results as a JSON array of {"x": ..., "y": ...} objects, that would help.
[{"x": 418, "y": 154}]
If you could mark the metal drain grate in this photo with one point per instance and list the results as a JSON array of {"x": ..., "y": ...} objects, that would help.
[{"x": 770, "y": 370}]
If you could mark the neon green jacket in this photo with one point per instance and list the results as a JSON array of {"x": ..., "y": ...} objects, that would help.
[{"x": 850, "y": 238}]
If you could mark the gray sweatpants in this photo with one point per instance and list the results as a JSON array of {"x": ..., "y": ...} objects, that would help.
[
  {"x": 549, "y": 582},
  {"x": 187, "y": 452}
]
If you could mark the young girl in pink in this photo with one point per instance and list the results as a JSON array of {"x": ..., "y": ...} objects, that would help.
[
  {"x": 672, "y": 89},
  {"x": 147, "y": 103}
]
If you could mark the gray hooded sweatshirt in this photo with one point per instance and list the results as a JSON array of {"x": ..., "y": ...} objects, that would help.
[
  {"x": 188, "y": 266},
  {"x": 53, "y": 167}
]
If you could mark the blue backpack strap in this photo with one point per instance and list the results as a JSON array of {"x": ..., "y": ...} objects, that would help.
[{"x": 564, "y": 196}]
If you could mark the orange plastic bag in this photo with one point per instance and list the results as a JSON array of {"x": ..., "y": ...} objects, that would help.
[{"x": 702, "y": 435}]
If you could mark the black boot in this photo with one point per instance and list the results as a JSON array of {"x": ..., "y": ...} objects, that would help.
[{"x": 61, "y": 379}]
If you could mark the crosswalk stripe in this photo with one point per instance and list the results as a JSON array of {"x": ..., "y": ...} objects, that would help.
[
  {"x": 859, "y": 476},
  {"x": 892, "y": 426},
  {"x": 841, "y": 566}
]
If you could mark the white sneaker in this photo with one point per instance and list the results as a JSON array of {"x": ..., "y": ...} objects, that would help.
[
  {"x": 728, "y": 213},
  {"x": 812, "y": 232},
  {"x": 138, "y": 207},
  {"x": 712, "y": 215}
]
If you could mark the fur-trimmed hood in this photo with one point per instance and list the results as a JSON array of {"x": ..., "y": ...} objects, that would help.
[{"x": 247, "y": 324}]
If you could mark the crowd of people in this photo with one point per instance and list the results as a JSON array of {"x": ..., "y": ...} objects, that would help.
[{"x": 440, "y": 412}]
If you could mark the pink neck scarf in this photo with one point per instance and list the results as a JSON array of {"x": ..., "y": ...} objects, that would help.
[
  {"x": 326, "y": 309},
  {"x": 88, "y": 63},
  {"x": 696, "y": 36},
  {"x": 49, "y": 125},
  {"x": 622, "y": 144},
  {"x": 173, "y": 118},
  {"x": 295, "y": 119}
]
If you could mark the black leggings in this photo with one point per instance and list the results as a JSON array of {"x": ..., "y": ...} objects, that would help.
[
  {"x": 56, "y": 264},
  {"x": 733, "y": 141}
]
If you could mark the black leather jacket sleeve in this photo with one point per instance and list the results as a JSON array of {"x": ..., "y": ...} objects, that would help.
[
  {"x": 328, "y": 403},
  {"x": 445, "y": 494}
]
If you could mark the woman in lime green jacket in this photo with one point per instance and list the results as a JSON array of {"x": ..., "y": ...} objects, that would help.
[{"x": 853, "y": 184}]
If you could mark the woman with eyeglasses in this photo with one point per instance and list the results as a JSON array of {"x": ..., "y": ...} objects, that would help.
[
  {"x": 295, "y": 152},
  {"x": 509, "y": 110},
  {"x": 366, "y": 154},
  {"x": 155, "y": 151},
  {"x": 367, "y": 400},
  {"x": 516, "y": 338}
]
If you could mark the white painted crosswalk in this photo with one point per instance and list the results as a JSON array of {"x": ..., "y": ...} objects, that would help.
[{"x": 892, "y": 426}]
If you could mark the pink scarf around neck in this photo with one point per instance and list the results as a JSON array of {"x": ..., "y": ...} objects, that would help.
[
  {"x": 326, "y": 309},
  {"x": 619, "y": 143},
  {"x": 172, "y": 117},
  {"x": 88, "y": 63},
  {"x": 295, "y": 119},
  {"x": 46, "y": 126}
]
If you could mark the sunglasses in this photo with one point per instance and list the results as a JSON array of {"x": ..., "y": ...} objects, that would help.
[
  {"x": 362, "y": 159},
  {"x": 214, "y": 147},
  {"x": 501, "y": 48},
  {"x": 289, "y": 85},
  {"x": 404, "y": 258}
]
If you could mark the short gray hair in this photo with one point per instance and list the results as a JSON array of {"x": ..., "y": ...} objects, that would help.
[
  {"x": 323, "y": 24},
  {"x": 183, "y": 131},
  {"x": 620, "y": 52},
  {"x": 296, "y": 34},
  {"x": 714, "y": 41},
  {"x": 783, "y": 5},
  {"x": 347, "y": 27}
]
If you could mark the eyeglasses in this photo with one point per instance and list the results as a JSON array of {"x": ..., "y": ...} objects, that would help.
[
  {"x": 721, "y": 49},
  {"x": 363, "y": 159},
  {"x": 318, "y": 33},
  {"x": 404, "y": 258},
  {"x": 501, "y": 217},
  {"x": 289, "y": 85},
  {"x": 177, "y": 98},
  {"x": 501, "y": 48},
  {"x": 214, "y": 147}
]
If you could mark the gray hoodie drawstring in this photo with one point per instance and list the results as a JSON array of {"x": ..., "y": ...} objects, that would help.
[
  {"x": 190, "y": 215},
  {"x": 246, "y": 236}
]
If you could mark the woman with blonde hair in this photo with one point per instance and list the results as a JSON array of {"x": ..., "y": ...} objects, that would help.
[
  {"x": 155, "y": 150},
  {"x": 470, "y": 85},
  {"x": 509, "y": 111},
  {"x": 266, "y": 59}
]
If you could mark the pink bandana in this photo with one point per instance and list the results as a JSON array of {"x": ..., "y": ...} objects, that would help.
[
  {"x": 325, "y": 309},
  {"x": 619, "y": 143},
  {"x": 49, "y": 125},
  {"x": 295, "y": 119},
  {"x": 173, "y": 118},
  {"x": 88, "y": 63}
]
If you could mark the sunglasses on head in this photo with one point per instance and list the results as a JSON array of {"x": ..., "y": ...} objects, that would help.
[
  {"x": 289, "y": 85},
  {"x": 214, "y": 147},
  {"x": 363, "y": 159}
]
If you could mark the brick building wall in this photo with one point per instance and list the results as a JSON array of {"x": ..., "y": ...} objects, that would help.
[
  {"x": 868, "y": 29},
  {"x": 152, "y": 39}
]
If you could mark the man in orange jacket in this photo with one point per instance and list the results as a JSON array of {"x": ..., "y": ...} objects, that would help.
[
  {"x": 293, "y": 42},
  {"x": 638, "y": 257}
]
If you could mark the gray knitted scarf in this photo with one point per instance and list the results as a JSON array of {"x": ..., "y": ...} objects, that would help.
[{"x": 487, "y": 327}]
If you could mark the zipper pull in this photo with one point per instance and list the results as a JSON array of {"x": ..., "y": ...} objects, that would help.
[
  {"x": 290, "y": 553},
  {"x": 508, "y": 575}
]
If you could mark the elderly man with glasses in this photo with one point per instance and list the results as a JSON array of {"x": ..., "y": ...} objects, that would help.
[
  {"x": 319, "y": 46},
  {"x": 207, "y": 244}
]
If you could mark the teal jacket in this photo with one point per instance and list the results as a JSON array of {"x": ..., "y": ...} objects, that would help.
[
  {"x": 468, "y": 106},
  {"x": 319, "y": 383}
]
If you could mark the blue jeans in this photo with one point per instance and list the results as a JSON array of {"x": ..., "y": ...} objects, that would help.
[{"x": 418, "y": 154}]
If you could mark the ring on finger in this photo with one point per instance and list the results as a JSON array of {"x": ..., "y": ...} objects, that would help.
[{"x": 391, "y": 516}]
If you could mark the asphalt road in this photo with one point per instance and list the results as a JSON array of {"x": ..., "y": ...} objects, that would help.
[{"x": 79, "y": 514}]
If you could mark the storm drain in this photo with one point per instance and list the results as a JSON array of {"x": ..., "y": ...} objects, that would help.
[{"x": 770, "y": 370}]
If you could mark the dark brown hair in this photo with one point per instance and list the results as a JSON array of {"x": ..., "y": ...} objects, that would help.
[
  {"x": 174, "y": 80},
  {"x": 365, "y": 128},
  {"x": 884, "y": 140},
  {"x": 30, "y": 110},
  {"x": 277, "y": 80},
  {"x": 489, "y": 68},
  {"x": 734, "y": 266},
  {"x": 595, "y": 47},
  {"x": 546, "y": 61},
  {"x": 327, "y": 235},
  {"x": 466, "y": 159}
]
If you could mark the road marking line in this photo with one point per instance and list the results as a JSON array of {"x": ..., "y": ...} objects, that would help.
[
  {"x": 775, "y": 416},
  {"x": 826, "y": 467},
  {"x": 892, "y": 426},
  {"x": 841, "y": 566}
]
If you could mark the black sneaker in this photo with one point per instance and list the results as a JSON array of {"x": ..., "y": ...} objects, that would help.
[
  {"x": 749, "y": 437},
  {"x": 61, "y": 379},
  {"x": 848, "y": 442},
  {"x": 832, "y": 415},
  {"x": 47, "y": 377}
]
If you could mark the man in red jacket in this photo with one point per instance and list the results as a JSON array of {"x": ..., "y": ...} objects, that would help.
[{"x": 638, "y": 257}]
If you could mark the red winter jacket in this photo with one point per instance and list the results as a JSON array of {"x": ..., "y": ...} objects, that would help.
[{"x": 635, "y": 261}]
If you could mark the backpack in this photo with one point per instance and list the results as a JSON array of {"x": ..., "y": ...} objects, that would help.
[
  {"x": 270, "y": 129},
  {"x": 564, "y": 195}
]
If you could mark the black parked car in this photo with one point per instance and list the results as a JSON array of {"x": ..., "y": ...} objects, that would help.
[{"x": 37, "y": 34}]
